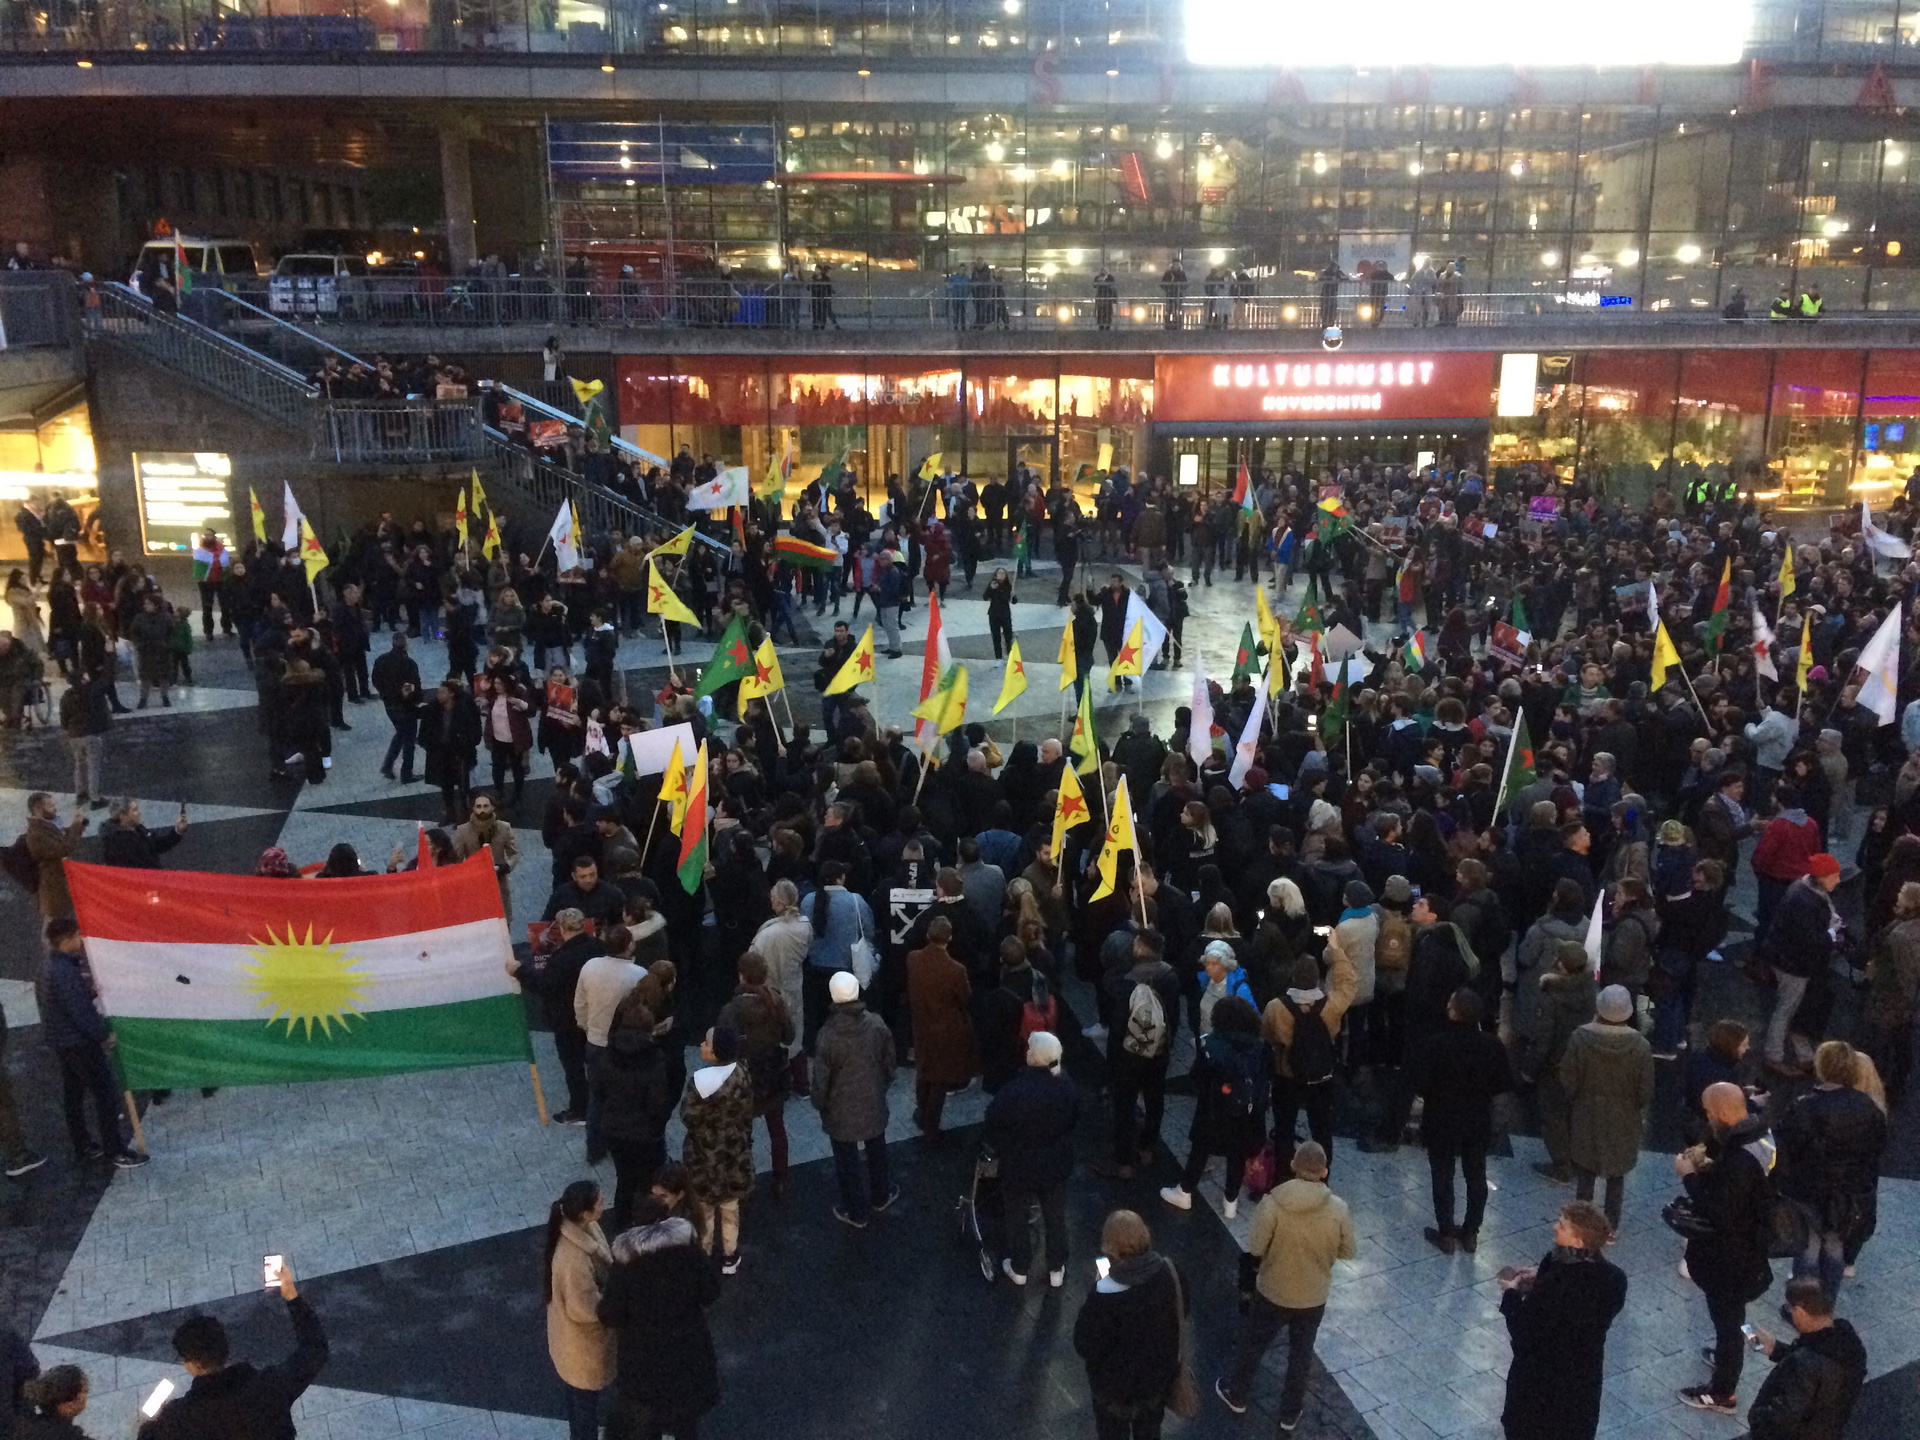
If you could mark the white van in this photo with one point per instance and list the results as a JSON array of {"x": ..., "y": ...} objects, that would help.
[
  {"x": 221, "y": 262},
  {"x": 317, "y": 285}
]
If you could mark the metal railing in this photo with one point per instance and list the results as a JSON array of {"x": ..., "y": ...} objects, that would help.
[
  {"x": 542, "y": 482},
  {"x": 539, "y": 303},
  {"x": 404, "y": 431},
  {"x": 37, "y": 308},
  {"x": 205, "y": 356}
]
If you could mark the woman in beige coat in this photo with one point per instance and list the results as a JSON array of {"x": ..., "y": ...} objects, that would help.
[{"x": 578, "y": 1260}]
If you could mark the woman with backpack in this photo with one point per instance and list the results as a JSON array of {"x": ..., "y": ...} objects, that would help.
[
  {"x": 1302, "y": 1024},
  {"x": 1232, "y": 1080},
  {"x": 940, "y": 997}
]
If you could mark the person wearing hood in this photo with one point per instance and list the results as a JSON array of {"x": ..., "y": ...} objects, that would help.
[
  {"x": 1356, "y": 931},
  {"x": 1607, "y": 1073},
  {"x": 630, "y": 1079},
  {"x": 1533, "y": 957},
  {"x": 1566, "y": 999},
  {"x": 766, "y": 1026},
  {"x": 853, "y": 1064},
  {"x": 1299, "y": 1230},
  {"x": 1231, "y": 1080},
  {"x": 1558, "y": 1313},
  {"x": 655, "y": 1302},
  {"x": 717, "y": 1109},
  {"x": 1728, "y": 1191},
  {"x": 1798, "y": 946},
  {"x": 1816, "y": 1380},
  {"x": 1302, "y": 1025},
  {"x": 1030, "y": 1127},
  {"x": 1128, "y": 1332},
  {"x": 1459, "y": 1072},
  {"x": 578, "y": 1261}
]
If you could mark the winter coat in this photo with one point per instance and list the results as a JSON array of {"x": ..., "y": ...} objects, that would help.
[
  {"x": 1030, "y": 1126},
  {"x": 631, "y": 1081},
  {"x": 1894, "y": 976},
  {"x": 759, "y": 1015},
  {"x": 580, "y": 1346},
  {"x": 1627, "y": 957},
  {"x": 451, "y": 738},
  {"x": 69, "y": 1017},
  {"x": 1356, "y": 931},
  {"x": 1831, "y": 1139},
  {"x": 940, "y": 997},
  {"x": 1558, "y": 1327},
  {"x": 241, "y": 1399},
  {"x": 1533, "y": 958},
  {"x": 655, "y": 1302},
  {"x": 1459, "y": 1071},
  {"x": 1608, "y": 1076},
  {"x": 1813, "y": 1386},
  {"x": 783, "y": 942},
  {"x": 1800, "y": 940},
  {"x": 853, "y": 1064},
  {"x": 1299, "y": 1230},
  {"x": 718, "y": 1152},
  {"x": 1216, "y": 1130},
  {"x": 1128, "y": 1332},
  {"x": 49, "y": 844},
  {"x": 1339, "y": 986},
  {"x": 1732, "y": 1194},
  {"x": 136, "y": 847},
  {"x": 1442, "y": 962}
]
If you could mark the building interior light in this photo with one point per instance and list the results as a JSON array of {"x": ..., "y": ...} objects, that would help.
[
  {"x": 1319, "y": 162},
  {"x": 1550, "y": 258},
  {"x": 1517, "y": 169},
  {"x": 1164, "y": 149},
  {"x": 1012, "y": 7},
  {"x": 1413, "y": 167},
  {"x": 1062, "y": 166},
  {"x": 996, "y": 152},
  {"x": 1075, "y": 257},
  {"x": 1113, "y": 74},
  {"x": 1687, "y": 254},
  {"x": 1629, "y": 256}
]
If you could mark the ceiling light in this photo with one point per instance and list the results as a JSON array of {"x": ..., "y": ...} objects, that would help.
[
  {"x": 1687, "y": 254},
  {"x": 1629, "y": 256}
]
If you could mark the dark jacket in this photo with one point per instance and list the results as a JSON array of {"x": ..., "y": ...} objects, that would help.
[
  {"x": 1559, "y": 1332},
  {"x": 1002, "y": 1052},
  {"x": 17, "y": 1366},
  {"x": 240, "y": 1400},
  {"x": 636, "y": 1097},
  {"x": 553, "y": 977},
  {"x": 853, "y": 1063},
  {"x": 1813, "y": 1387},
  {"x": 1030, "y": 1125},
  {"x": 1459, "y": 1070},
  {"x": 1216, "y": 1130},
  {"x": 137, "y": 847},
  {"x": 67, "y": 1011},
  {"x": 604, "y": 905},
  {"x": 1800, "y": 940},
  {"x": 1830, "y": 1144},
  {"x": 1437, "y": 968},
  {"x": 656, "y": 1298},
  {"x": 1732, "y": 1194},
  {"x": 1128, "y": 1332}
]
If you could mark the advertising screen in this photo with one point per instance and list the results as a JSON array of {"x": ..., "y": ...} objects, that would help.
[{"x": 1300, "y": 35}]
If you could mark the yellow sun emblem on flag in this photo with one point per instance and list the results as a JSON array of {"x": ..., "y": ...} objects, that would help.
[{"x": 306, "y": 982}]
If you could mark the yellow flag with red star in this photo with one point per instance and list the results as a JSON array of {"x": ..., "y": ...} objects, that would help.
[
  {"x": 857, "y": 670},
  {"x": 1015, "y": 681},
  {"x": 662, "y": 601},
  {"x": 673, "y": 788},
  {"x": 1070, "y": 811},
  {"x": 1127, "y": 662},
  {"x": 1069, "y": 657},
  {"x": 766, "y": 677}
]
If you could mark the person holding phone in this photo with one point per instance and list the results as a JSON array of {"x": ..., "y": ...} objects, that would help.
[
  {"x": 1558, "y": 1313},
  {"x": 236, "y": 1397},
  {"x": 1128, "y": 1331}
]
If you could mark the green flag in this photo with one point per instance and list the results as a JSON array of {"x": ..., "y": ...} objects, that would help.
[
  {"x": 1246, "y": 660},
  {"x": 1083, "y": 745},
  {"x": 1334, "y": 722},
  {"x": 1519, "y": 772},
  {"x": 732, "y": 660},
  {"x": 1309, "y": 617},
  {"x": 1520, "y": 620}
]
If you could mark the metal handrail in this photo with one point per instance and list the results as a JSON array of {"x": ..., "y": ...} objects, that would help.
[
  {"x": 545, "y": 482},
  {"x": 554, "y": 412},
  {"x": 205, "y": 356},
  {"x": 305, "y": 336}
]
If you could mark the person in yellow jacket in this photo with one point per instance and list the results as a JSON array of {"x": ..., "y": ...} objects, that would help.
[
  {"x": 1811, "y": 305},
  {"x": 1783, "y": 307}
]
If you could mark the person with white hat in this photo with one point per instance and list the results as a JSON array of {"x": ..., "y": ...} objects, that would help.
[
  {"x": 853, "y": 1064},
  {"x": 1030, "y": 1126},
  {"x": 1607, "y": 1073}
]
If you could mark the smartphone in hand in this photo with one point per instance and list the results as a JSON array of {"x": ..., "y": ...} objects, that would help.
[
  {"x": 150, "y": 1406},
  {"x": 270, "y": 1271},
  {"x": 1101, "y": 1266}
]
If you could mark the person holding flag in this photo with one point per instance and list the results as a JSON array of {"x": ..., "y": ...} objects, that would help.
[
  {"x": 1128, "y": 662},
  {"x": 692, "y": 864},
  {"x": 671, "y": 609}
]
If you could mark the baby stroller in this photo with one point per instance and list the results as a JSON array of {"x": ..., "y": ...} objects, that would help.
[{"x": 980, "y": 1214}]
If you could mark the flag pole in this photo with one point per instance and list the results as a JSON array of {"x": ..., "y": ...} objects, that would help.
[
  {"x": 647, "y": 849},
  {"x": 539, "y": 1095},
  {"x": 792, "y": 724},
  {"x": 1513, "y": 747}
]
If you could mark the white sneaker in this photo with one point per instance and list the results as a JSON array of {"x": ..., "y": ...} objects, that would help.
[
  {"x": 1011, "y": 1273},
  {"x": 1850, "y": 1272},
  {"x": 1229, "y": 1208},
  {"x": 1176, "y": 1197},
  {"x": 1057, "y": 1278}
]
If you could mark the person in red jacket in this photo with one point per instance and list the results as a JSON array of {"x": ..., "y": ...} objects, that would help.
[{"x": 1787, "y": 842}]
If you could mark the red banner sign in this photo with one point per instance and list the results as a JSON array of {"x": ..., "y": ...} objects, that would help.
[{"x": 1190, "y": 388}]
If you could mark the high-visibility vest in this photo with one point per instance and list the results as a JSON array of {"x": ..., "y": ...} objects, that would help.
[
  {"x": 1811, "y": 306},
  {"x": 1781, "y": 309}
]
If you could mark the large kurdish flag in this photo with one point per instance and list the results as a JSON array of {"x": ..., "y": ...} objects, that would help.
[{"x": 239, "y": 980}]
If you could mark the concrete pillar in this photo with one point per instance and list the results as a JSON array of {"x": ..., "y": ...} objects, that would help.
[{"x": 456, "y": 196}]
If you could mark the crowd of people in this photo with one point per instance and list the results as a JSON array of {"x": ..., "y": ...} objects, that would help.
[{"x": 1383, "y": 907}]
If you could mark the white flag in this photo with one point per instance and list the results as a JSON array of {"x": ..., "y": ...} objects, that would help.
[
  {"x": 1653, "y": 603},
  {"x": 566, "y": 545},
  {"x": 1593, "y": 930},
  {"x": 1763, "y": 646},
  {"x": 1244, "y": 752},
  {"x": 290, "y": 521},
  {"x": 1200, "y": 731},
  {"x": 1879, "y": 541},
  {"x": 1879, "y": 692},
  {"x": 1152, "y": 630},
  {"x": 729, "y": 487}
]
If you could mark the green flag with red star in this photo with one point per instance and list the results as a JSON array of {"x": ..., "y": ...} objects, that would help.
[
  {"x": 1716, "y": 627},
  {"x": 1519, "y": 772},
  {"x": 1246, "y": 660},
  {"x": 732, "y": 660}
]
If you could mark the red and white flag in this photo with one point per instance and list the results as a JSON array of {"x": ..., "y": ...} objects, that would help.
[{"x": 934, "y": 662}]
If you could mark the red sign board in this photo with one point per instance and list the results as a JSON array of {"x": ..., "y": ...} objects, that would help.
[{"x": 1280, "y": 388}]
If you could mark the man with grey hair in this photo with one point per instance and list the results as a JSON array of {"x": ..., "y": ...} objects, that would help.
[
  {"x": 1030, "y": 1127},
  {"x": 125, "y": 841},
  {"x": 783, "y": 943},
  {"x": 554, "y": 975}
]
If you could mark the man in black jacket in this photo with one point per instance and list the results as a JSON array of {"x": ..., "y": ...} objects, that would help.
[
  {"x": 125, "y": 841},
  {"x": 1030, "y": 1126},
  {"x": 1726, "y": 1183},
  {"x": 1816, "y": 1380},
  {"x": 1459, "y": 1071},
  {"x": 553, "y": 978},
  {"x": 1558, "y": 1313},
  {"x": 1798, "y": 945},
  {"x": 239, "y": 1399},
  {"x": 396, "y": 680}
]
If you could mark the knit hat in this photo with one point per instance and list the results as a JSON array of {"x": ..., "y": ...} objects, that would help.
[
  {"x": 1322, "y": 814},
  {"x": 1257, "y": 778},
  {"x": 1822, "y": 864},
  {"x": 843, "y": 987},
  {"x": 1398, "y": 890},
  {"x": 1357, "y": 896},
  {"x": 274, "y": 864},
  {"x": 1615, "y": 1005}
]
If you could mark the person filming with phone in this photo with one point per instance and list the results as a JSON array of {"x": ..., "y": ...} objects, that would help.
[{"x": 237, "y": 1400}]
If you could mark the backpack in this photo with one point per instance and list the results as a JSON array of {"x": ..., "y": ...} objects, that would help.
[
  {"x": 1147, "y": 1034},
  {"x": 1040, "y": 1009},
  {"x": 1393, "y": 946},
  {"x": 1245, "y": 1081},
  {"x": 19, "y": 863},
  {"x": 1311, "y": 1053}
]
